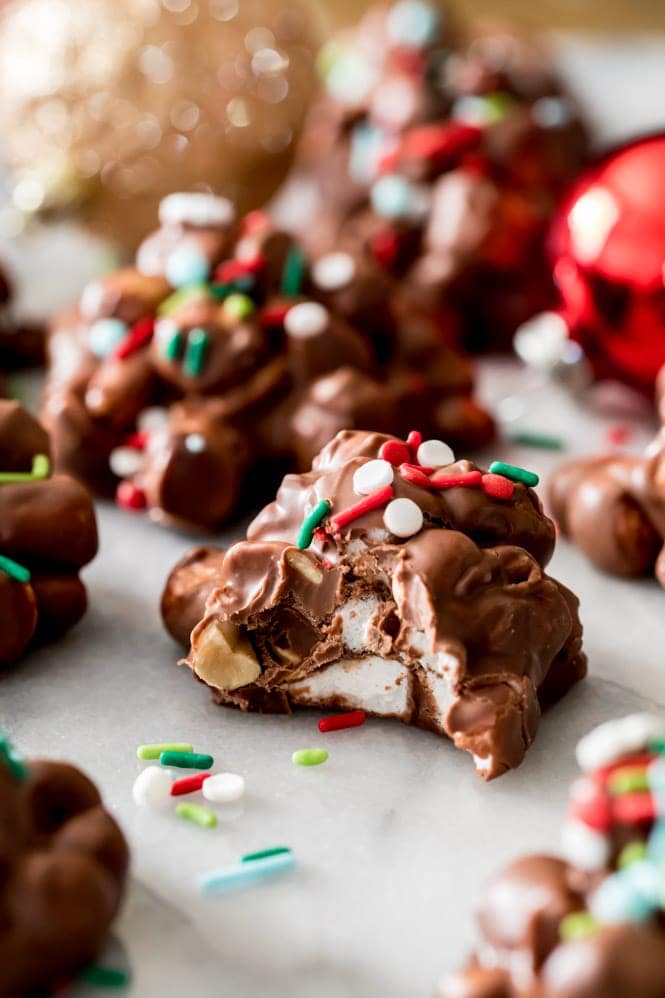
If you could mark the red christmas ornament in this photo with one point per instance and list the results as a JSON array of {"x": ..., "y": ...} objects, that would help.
[{"x": 607, "y": 245}]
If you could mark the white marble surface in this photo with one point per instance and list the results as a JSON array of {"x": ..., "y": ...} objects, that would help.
[{"x": 395, "y": 834}]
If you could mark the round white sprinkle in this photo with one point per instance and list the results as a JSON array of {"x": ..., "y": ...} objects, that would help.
[
  {"x": 307, "y": 319},
  {"x": 435, "y": 454},
  {"x": 125, "y": 461},
  {"x": 155, "y": 417},
  {"x": 196, "y": 209},
  {"x": 583, "y": 847},
  {"x": 371, "y": 476},
  {"x": 614, "y": 739},
  {"x": 152, "y": 787},
  {"x": 403, "y": 517},
  {"x": 222, "y": 788},
  {"x": 195, "y": 443},
  {"x": 333, "y": 271}
]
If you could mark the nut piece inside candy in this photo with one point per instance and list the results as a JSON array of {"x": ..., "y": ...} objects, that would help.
[
  {"x": 303, "y": 564},
  {"x": 223, "y": 658}
]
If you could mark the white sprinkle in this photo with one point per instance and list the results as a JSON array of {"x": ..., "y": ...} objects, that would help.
[
  {"x": 125, "y": 461},
  {"x": 195, "y": 443},
  {"x": 583, "y": 847},
  {"x": 152, "y": 787},
  {"x": 540, "y": 342},
  {"x": 196, "y": 209},
  {"x": 333, "y": 271},
  {"x": 615, "y": 739},
  {"x": 306, "y": 320},
  {"x": 91, "y": 299},
  {"x": 371, "y": 476},
  {"x": 435, "y": 454},
  {"x": 222, "y": 788},
  {"x": 155, "y": 417},
  {"x": 403, "y": 517}
]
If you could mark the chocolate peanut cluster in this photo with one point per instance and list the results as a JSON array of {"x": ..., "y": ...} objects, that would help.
[
  {"x": 395, "y": 579},
  {"x": 21, "y": 342},
  {"x": 225, "y": 357},
  {"x": 442, "y": 157},
  {"x": 64, "y": 862},
  {"x": 589, "y": 924},
  {"x": 48, "y": 532}
]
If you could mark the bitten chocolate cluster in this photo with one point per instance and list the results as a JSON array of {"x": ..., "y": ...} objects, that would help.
[
  {"x": 442, "y": 157},
  {"x": 592, "y": 923},
  {"x": 395, "y": 579},
  {"x": 223, "y": 355},
  {"x": 48, "y": 532},
  {"x": 21, "y": 343},
  {"x": 64, "y": 862}
]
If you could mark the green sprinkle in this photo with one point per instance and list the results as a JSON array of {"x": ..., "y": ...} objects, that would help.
[
  {"x": 309, "y": 757},
  {"x": 221, "y": 292},
  {"x": 182, "y": 297},
  {"x": 12, "y": 760},
  {"x": 540, "y": 441},
  {"x": 514, "y": 473},
  {"x": 311, "y": 522},
  {"x": 14, "y": 570},
  {"x": 657, "y": 745},
  {"x": 628, "y": 780},
  {"x": 293, "y": 273},
  {"x": 577, "y": 925},
  {"x": 250, "y": 857},
  {"x": 197, "y": 346},
  {"x": 40, "y": 469},
  {"x": 635, "y": 852},
  {"x": 106, "y": 977},
  {"x": 202, "y": 816},
  {"x": 154, "y": 751},
  {"x": 238, "y": 306},
  {"x": 173, "y": 347},
  {"x": 186, "y": 760}
]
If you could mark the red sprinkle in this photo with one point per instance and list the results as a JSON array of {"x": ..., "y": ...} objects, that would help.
[
  {"x": 231, "y": 270},
  {"x": 138, "y": 440},
  {"x": 385, "y": 248},
  {"x": 417, "y": 476},
  {"x": 353, "y": 719},
  {"x": 596, "y": 811},
  {"x": 254, "y": 222},
  {"x": 414, "y": 440},
  {"x": 618, "y": 435},
  {"x": 139, "y": 335},
  {"x": 366, "y": 505},
  {"x": 274, "y": 315},
  {"x": 644, "y": 759},
  {"x": 130, "y": 496},
  {"x": 634, "y": 809},
  {"x": 188, "y": 784},
  {"x": 467, "y": 479},
  {"x": 395, "y": 453},
  {"x": 440, "y": 143},
  {"x": 497, "y": 487}
]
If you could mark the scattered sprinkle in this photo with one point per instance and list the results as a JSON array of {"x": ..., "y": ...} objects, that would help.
[
  {"x": 41, "y": 467},
  {"x": 403, "y": 517},
  {"x": 173, "y": 345},
  {"x": 251, "y": 857},
  {"x": 152, "y": 787},
  {"x": 311, "y": 522},
  {"x": 359, "y": 509},
  {"x": 106, "y": 977},
  {"x": 224, "y": 788},
  {"x": 195, "y": 353},
  {"x": 618, "y": 434},
  {"x": 415, "y": 475},
  {"x": 241, "y": 873},
  {"x": 414, "y": 440},
  {"x": 307, "y": 319},
  {"x": 497, "y": 487},
  {"x": 628, "y": 780},
  {"x": 105, "y": 335},
  {"x": 396, "y": 452},
  {"x": 515, "y": 474},
  {"x": 338, "y": 722},
  {"x": 139, "y": 336},
  {"x": 188, "y": 784},
  {"x": 309, "y": 757},
  {"x": 435, "y": 453},
  {"x": 293, "y": 273},
  {"x": 187, "y": 265},
  {"x": 199, "y": 815},
  {"x": 15, "y": 571},
  {"x": 239, "y": 306},
  {"x": 130, "y": 496},
  {"x": 577, "y": 925},
  {"x": 465, "y": 480},
  {"x": 12, "y": 759},
  {"x": 372, "y": 475},
  {"x": 634, "y": 852},
  {"x": 186, "y": 760},
  {"x": 539, "y": 441}
]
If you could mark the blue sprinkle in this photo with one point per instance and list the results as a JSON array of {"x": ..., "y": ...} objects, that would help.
[
  {"x": 656, "y": 844},
  {"x": 413, "y": 23},
  {"x": 244, "y": 873},
  {"x": 392, "y": 196},
  {"x": 351, "y": 78},
  {"x": 632, "y": 895},
  {"x": 367, "y": 143},
  {"x": 105, "y": 335},
  {"x": 187, "y": 265}
]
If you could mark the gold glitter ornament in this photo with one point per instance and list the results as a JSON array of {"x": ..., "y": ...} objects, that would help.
[{"x": 107, "y": 105}]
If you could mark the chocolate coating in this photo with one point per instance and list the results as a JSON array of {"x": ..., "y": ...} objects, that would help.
[
  {"x": 443, "y": 156},
  {"x": 21, "y": 342},
  {"x": 63, "y": 863},
  {"x": 455, "y": 628},
  {"x": 48, "y": 526},
  {"x": 253, "y": 362},
  {"x": 612, "y": 508}
]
